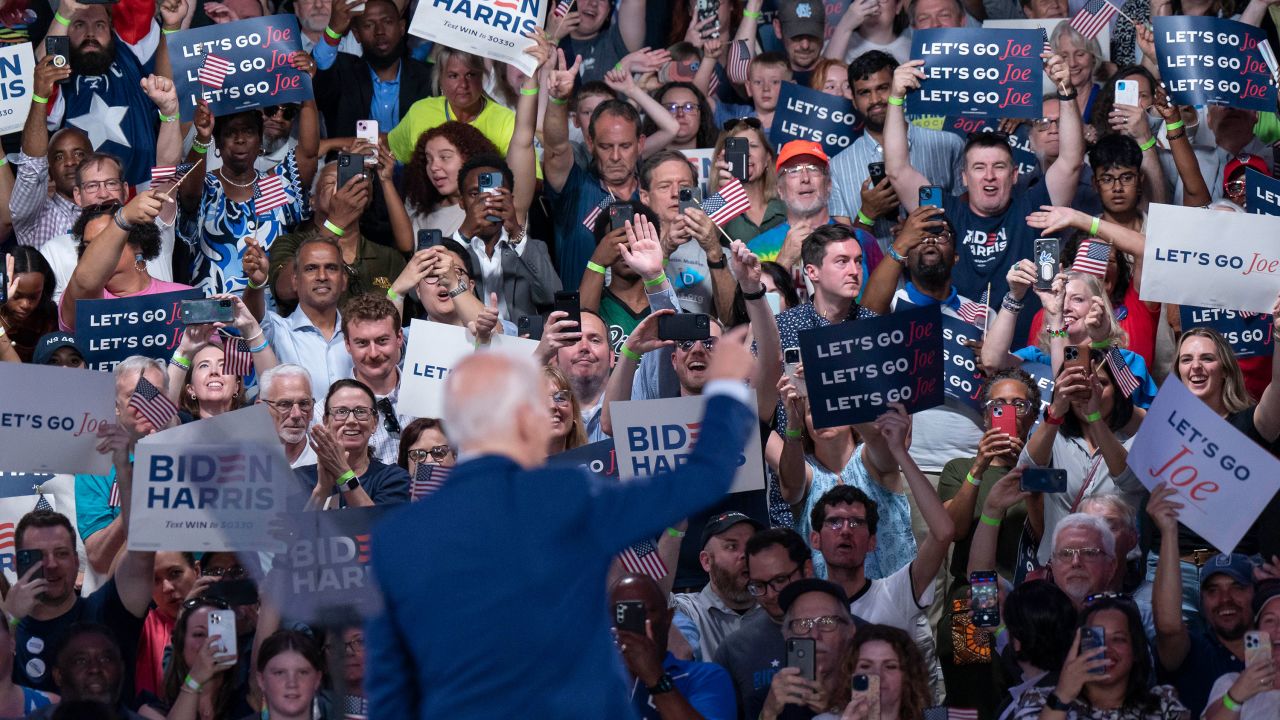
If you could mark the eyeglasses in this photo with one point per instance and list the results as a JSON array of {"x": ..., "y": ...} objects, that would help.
[
  {"x": 434, "y": 279},
  {"x": 1235, "y": 187},
  {"x": 1070, "y": 555},
  {"x": 682, "y": 108},
  {"x": 198, "y": 602},
  {"x": 284, "y": 407},
  {"x": 824, "y": 624},
  {"x": 235, "y": 572},
  {"x": 1021, "y": 408},
  {"x": 108, "y": 185},
  {"x": 354, "y": 645},
  {"x": 807, "y": 168},
  {"x": 732, "y": 123},
  {"x": 437, "y": 453},
  {"x": 389, "y": 420},
  {"x": 1124, "y": 179},
  {"x": 759, "y": 587},
  {"x": 836, "y": 524},
  {"x": 560, "y": 397},
  {"x": 342, "y": 413},
  {"x": 287, "y": 111},
  {"x": 1043, "y": 124},
  {"x": 708, "y": 344},
  {"x": 943, "y": 238}
]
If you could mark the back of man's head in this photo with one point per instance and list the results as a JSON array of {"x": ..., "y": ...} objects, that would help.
[{"x": 489, "y": 400}]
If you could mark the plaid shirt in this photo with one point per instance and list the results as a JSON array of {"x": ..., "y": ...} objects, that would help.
[{"x": 37, "y": 216}]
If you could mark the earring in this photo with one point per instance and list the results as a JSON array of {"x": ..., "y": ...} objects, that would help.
[
  {"x": 138, "y": 263},
  {"x": 193, "y": 396}
]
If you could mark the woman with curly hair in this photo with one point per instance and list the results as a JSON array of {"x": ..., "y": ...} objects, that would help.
[
  {"x": 431, "y": 194},
  {"x": 892, "y": 656},
  {"x": 689, "y": 106}
]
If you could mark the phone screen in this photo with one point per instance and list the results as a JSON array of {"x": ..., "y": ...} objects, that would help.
[{"x": 984, "y": 599}]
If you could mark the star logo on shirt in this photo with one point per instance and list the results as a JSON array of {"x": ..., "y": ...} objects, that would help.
[
  {"x": 102, "y": 123},
  {"x": 775, "y": 663}
]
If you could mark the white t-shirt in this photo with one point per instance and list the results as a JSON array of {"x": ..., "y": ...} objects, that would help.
[
  {"x": 891, "y": 601},
  {"x": 1263, "y": 706}
]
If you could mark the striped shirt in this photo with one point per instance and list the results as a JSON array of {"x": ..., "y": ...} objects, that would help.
[
  {"x": 936, "y": 154},
  {"x": 38, "y": 216}
]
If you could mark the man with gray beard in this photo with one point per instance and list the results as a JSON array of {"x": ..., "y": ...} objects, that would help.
[
  {"x": 706, "y": 618},
  {"x": 286, "y": 391}
]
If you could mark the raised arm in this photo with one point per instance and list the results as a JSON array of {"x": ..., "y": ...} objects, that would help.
[
  {"x": 193, "y": 184},
  {"x": 631, "y": 23},
  {"x": 623, "y": 83},
  {"x": 169, "y": 141},
  {"x": 308, "y": 150},
  {"x": 557, "y": 151},
  {"x": 1173, "y": 642},
  {"x": 1063, "y": 175},
  {"x": 746, "y": 267},
  {"x": 1004, "y": 494},
  {"x": 102, "y": 255},
  {"x": 1195, "y": 192},
  {"x": 854, "y": 15},
  {"x": 906, "y": 179},
  {"x": 401, "y": 225},
  {"x": 136, "y": 571},
  {"x": 520, "y": 155},
  {"x": 997, "y": 346},
  {"x": 922, "y": 221},
  {"x": 1266, "y": 417},
  {"x": 786, "y": 453}
]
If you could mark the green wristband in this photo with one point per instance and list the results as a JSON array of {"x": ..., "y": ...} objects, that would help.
[
  {"x": 1100, "y": 345},
  {"x": 969, "y": 478},
  {"x": 1174, "y": 125},
  {"x": 896, "y": 101},
  {"x": 1093, "y": 417},
  {"x": 166, "y": 118},
  {"x": 559, "y": 101},
  {"x": 13, "y": 622},
  {"x": 180, "y": 361},
  {"x": 1229, "y": 703},
  {"x": 199, "y": 149},
  {"x": 793, "y": 433},
  {"x": 328, "y": 225},
  {"x": 57, "y": 17},
  {"x": 675, "y": 533},
  {"x": 165, "y": 31},
  {"x": 862, "y": 218},
  {"x": 344, "y": 477},
  {"x": 1150, "y": 143},
  {"x": 529, "y": 91},
  {"x": 752, "y": 14},
  {"x": 988, "y": 520},
  {"x": 392, "y": 295},
  {"x": 595, "y": 267},
  {"x": 629, "y": 353},
  {"x": 330, "y": 32},
  {"x": 662, "y": 277},
  {"x": 1093, "y": 228},
  {"x": 41, "y": 100}
]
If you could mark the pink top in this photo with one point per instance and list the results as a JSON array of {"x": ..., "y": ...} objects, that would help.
[{"x": 155, "y": 288}]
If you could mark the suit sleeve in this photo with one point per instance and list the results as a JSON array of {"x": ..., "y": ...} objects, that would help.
[{"x": 391, "y": 675}]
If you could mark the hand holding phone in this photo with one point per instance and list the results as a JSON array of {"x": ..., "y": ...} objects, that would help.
[
  {"x": 791, "y": 365},
  {"x": 801, "y": 654},
  {"x": 629, "y": 615},
  {"x": 931, "y": 195},
  {"x": 984, "y": 598},
  {"x": 1092, "y": 639}
]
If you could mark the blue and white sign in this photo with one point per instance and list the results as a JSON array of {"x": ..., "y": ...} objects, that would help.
[
  {"x": 598, "y": 457},
  {"x": 17, "y": 72},
  {"x": 238, "y": 65},
  {"x": 1223, "y": 478},
  {"x": 325, "y": 574},
  {"x": 495, "y": 29},
  {"x": 433, "y": 351},
  {"x": 54, "y": 431},
  {"x": 1262, "y": 193},
  {"x": 974, "y": 72},
  {"x": 1248, "y": 333},
  {"x": 855, "y": 369},
  {"x": 1209, "y": 60},
  {"x": 111, "y": 330},
  {"x": 1019, "y": 141},
  {"x": 807, "y": 114}
]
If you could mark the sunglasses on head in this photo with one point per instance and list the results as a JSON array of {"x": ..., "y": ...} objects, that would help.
[
  {"x": 287, "y": 111},
  {"x": 732, "y": 123}
]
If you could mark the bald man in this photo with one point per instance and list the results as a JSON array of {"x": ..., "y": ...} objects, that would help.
[{"x": 456, "y": 643}]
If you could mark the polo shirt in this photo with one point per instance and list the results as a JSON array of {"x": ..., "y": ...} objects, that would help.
[
  {"x": 705, "y": 685},
  {"x": 705, "y": 620},
  {"x": 570, "y": 206}
]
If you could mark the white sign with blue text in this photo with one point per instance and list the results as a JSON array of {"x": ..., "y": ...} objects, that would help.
[
  {"x": 1223, "y": 478},
  {"x": 214, "y": 484},
  {"x": 54, "y": 432},
  {"x": 497, "y": 30},
  {"x": 434, "y": 349},
  {"x": 17, "y": 73},
  {"x": 653, "y": 436}
]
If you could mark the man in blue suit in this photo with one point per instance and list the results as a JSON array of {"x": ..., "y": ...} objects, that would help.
[{"x": 459, "y": 640}]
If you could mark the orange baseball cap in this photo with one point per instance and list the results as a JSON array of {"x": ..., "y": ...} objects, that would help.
[{"x": 796, "y": 148}]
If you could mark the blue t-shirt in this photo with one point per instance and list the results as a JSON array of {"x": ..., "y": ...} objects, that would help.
[
  {"x": 93, "y": 507},
  {"x": 37, "y": 641},
  {"x": 575, "y": 242},
  {"x": 705, "y": 685}
]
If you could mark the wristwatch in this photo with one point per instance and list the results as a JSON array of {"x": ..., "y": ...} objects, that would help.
[
  {"x": 462, "y": 287},
  {"x": 352, "y": 484},
  {"x": 663, "y": 685},
  {"x": 720, "y": 264},
  {"x": 1053, "y": 702}
]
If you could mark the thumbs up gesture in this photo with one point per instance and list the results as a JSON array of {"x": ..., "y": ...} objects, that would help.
[{"x": 482, "y": 327}]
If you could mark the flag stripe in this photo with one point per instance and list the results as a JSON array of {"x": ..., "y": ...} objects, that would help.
[
  {"x": 727, "y": 204},
  {"x": 152, "y": 404},
  {"x": 236, "y": 358}
]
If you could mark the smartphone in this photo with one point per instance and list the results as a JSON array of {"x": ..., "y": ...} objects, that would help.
[
  {"x": 876, "y": 172},
  {"x": 1127, "y": 93},
  {"x": 690, "y": 198},
  {"x": 1093, "y": 638},
  {"x": 1257, "y": 647},
  {"x": 1045, "y": 252},
  {"x": 735, "y": 153},
  {"x": 1077, "y": 356},
  {"x": 208, "y": 310},
  {"x": 931, "y": 195},
  {"x": 4, "y": 279},
  {"x": 428, "y": 238},
  {"x": 629, "y": 615},
  {"x": 59, "y": 46},
  {"x": 801, "y": 654},
  {"x": 984, "y": 598},
  {"x": 790, "y": 363},
  {"x": 709, "y": 9},
  {"x": 571, "y": 303},
  {"x": 619, "y": 214},
  {"x": 1044, "y": 480},
  {"x": 490, "y": 182},
  {"x": 684, "y": 326},
  {"x": 867, "y": 687},
  {"x": 1004, "y": 419},
  {"x": 28, "y": 558},
  {"x": 531, "y": 326},
  {"x": 222, "y": 632},
  {"x": 242, "y": 591},
  {"x": 350, "y": 165},
  {"x": 367, "y": 130}
]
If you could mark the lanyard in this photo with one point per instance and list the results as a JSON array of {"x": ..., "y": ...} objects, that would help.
[{"x": 1088, "y": 480}]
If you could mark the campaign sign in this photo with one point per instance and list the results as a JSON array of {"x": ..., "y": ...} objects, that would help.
[
  {"x": 244, "y": 64},
  {"x": 325, "y": 574},
  {"x": 214, "y": 484},
  {"x": 1248, "y": 333},
  {"x": 496, "y": 30},
  {"x": 1262, "y": 193},
  {"x": 700, "y": 161},
  {"x": 111, "y": 330},
  {"x": 598, "y": 457},
  {"x": 1223, "y": 478},
  {"x": 434, "y": 349},
  {"x": 973, "y": 72},
  {"x": 1019, "y": 141},
  {"x": 49, "y": 418},
  {"x": 855, "y": 369},
  {"x": 654, "y": 436},
  {"x": 1212, "y": 259},
  {"x": 17, "y": 72},
  {"x": 807, "y": 114},
  {"x": 1208, "y": 60}
]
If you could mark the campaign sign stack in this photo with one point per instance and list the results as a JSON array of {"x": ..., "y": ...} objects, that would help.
[{"x": 1207, "y": 60}]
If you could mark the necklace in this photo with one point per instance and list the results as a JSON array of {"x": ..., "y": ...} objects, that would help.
[{"x": 233, "y": 183}]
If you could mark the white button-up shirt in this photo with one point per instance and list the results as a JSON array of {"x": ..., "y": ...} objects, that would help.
[{"x": 297, "y": 340}]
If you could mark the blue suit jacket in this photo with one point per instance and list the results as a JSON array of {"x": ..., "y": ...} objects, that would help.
[{"x": 494, "y": 586}]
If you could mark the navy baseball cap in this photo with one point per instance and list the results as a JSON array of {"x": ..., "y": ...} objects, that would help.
[
  {"x": 807, "y": 585},
  {"x": 51, "y": 343},
  {"x": 1234, "y": 565},
  {"x": 724, "y": 521}
]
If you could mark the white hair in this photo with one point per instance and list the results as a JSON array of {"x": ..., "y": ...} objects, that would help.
[
  {"x": 140, "y": 364},
  {"x": 1087, "y": 522},
  {"x": 1226, "y": 205},
  {"x": 470, "y": 416},
  {"x": 284, "y": 370}
]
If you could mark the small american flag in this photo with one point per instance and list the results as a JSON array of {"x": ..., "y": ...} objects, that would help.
[
  {"x": 268, "y": 194},
  {"x": 1048, "y": 46},
  {"x": 714, "y": 85},
  {"x": 590, "y": 220},
  {"x": 6, "y": 538},
  {"x": 739, "y": 61},
  {"x": 43, "y": 503},
  {"x": 1120, "y": 371},
  {"x": 1093, "y": 17},
  {"x": 427, "y": 479},
  {"x": 152, "y": 404},
  {"x": 946, "y": 713},
  {"x": 164, "y": 173},
  {"x": 213, "y": 71},
  {"x": 113, "y": 498},
  {"x": 562, "y": 8},
  {"x": 974, "y": 313},
  {"x": 236, "y": 358},
  {"x": 727, "y": 204},
  {"x": 643, "y": 558},
  {"x": 1092, "y": 258}
]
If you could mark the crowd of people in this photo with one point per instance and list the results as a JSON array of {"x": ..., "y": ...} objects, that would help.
[{"x": 854, "y": 586}]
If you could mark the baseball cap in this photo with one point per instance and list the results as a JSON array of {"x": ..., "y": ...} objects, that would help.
[
  {"x": 51, "y": 343},
  {"x": 1237, "y": 567},
  {"x": 808, "y": 585},
  {"x": 724, "y": 521},
  {"x": 802, "y": 17},
  {"x": 1244, "y": 160},
  {"x": 1263, "y": 593},
  {"x": 796, "y": 148}
]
